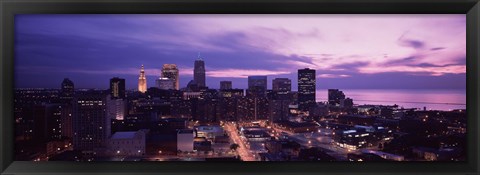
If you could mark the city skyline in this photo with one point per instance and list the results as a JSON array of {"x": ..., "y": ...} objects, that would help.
[
  {"x": 254, "y": 92},
  {"x": 410, "y": 50}
]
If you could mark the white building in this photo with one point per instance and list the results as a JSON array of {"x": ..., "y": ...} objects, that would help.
[
  {"x": 209, "y": 132},
  {"x": 116, "y": 108},
  {"x": 127, "y": 143},
  {"x": 185, "y": 140}
]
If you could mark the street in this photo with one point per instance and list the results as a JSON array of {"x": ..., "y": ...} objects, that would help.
[{"x": 242, "y": 150}]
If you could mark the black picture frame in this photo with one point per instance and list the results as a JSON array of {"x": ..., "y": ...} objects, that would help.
[{"x": 9, "y": 8}]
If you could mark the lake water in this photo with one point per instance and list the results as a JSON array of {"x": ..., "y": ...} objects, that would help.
[{"x": 408, "y": 98}]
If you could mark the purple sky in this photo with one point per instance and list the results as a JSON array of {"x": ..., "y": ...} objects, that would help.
[{"x": 348, "y": 51}]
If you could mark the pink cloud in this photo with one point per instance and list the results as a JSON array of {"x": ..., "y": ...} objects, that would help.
[
  {"x": 242, "y": 73},
  {"x": 330, "y": 40},
  {"x": 434, "y": 71},
  {"x": 333, "y": 76}
]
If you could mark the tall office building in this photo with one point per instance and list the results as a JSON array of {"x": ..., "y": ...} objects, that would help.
[
  {"x": 91, "y": 127},
  {"x": 142, "y": 81},
  {"x": 165, "y": 83},
  {"x": 257, "y": 86},
  {"x": 278, "y": 109},
  {"x": 259, "y": 81},
  {"x": 116, "y": 108},
  {"x": 116, "y": 102},
  {"x": 199, "y": 72},
  {"x": 171, "y": 72},
  {"x": 282, "y": 98},
  {"x": 47, "y": 124},
  {"x": 252, "y": 108},
  {"x": 281, "y": 85},
  {"x": 67, "y": 91},
  {"x": 306, "y": 89},
  {"x": 117, "y": 88},
  {"x": 66, "y": 120},
  {"x": 225, "y": 85}
]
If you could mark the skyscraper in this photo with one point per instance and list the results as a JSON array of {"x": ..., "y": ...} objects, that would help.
[
  {"x": 142, "y": 81},
  {"x": 278, "y": 109},
  {"x": 117, "y": 88},
  {"x": 171, "y": 72},
  {"x": 225, "y": 85},
  {"x": 116, "y": 108},
  {"x": 260, "y": 81},
  {"x": 91, "y": 127},
  {"x": 282, "y": 98},
  {"x": 116, "y": 102},
  {"x": 66, "y": 120},
  {"x": 47, "y": 124},
  {"x": 306, "y": 88},
  {"x": 281, "y": 85},
  {"x": 67, "y": 90},
  {"x": 199, "y": 72},
  {"x": 257, "y": 86},
  {"x": 66, "y": 96},
  {"x": 255, "y": 103}
]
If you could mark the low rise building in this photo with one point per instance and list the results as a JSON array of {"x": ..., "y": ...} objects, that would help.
[
  {"x": 185, "y": 140},
  {"x": 255, "y": 134},
  {"x": 209, "y": 132},
  {"x": 296, "y": 127},
  {"x": 127, "y": 143},
  {"x": 352, "y": 139}
]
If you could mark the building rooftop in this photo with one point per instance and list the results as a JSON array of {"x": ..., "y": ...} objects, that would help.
[
  {"x": 174, "y": 119},
  {"x": 123, "y": 135},
  {"x": 185, "y": 131},
  {"x": 296, "y": 124},
  {"x": 215, "y": 128},
  {"x": 255, "y": 133},
  {"x": 380, "y": 153}
]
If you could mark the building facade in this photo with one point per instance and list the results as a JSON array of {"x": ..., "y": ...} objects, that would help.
[
  {"x": 91, "y": 126},
  {"x": 306, "y": 89},
  {"x": 116, "y": 108},
  {"x": 185, "y": 140},
  {"x": 131, "y": 143},
  {"x": 257, "y": 86},
  {"x": 142, "y": 81},
  {"x": 117, "y": 88},
  {"x": 165, "y": 83},
  {"x": 67, "y": 91},
  {"x": 282, "y": 85},
  {"x": 199, "y": 72},
  {"x": 171, "y": 72},
  {"x": 225, "y": 85}
]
